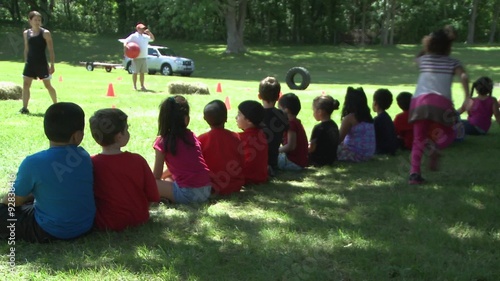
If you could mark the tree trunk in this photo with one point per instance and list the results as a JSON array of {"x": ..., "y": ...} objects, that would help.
[
  {"x": 494, "y": 22},
  {"x": 385, "y": 25},
  {"x": 122, "y": 16},
  {"x": 363, "y": 23},
  {"x": 472, "y": 22},
  {"x": 235, "y": 15}
]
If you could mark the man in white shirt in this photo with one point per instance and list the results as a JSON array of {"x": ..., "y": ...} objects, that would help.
[{"x": 139, "y": 64}]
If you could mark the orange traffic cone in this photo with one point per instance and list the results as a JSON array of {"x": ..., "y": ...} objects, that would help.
[
  {"x": 111, "y": 91},
  {"x": 227, "y": 103},
  {"x": 60, "y": 78},
  {"x": 219, "y": 88}
]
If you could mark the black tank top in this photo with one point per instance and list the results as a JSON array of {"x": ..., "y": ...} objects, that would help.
[{"x": 36, "y": 47}]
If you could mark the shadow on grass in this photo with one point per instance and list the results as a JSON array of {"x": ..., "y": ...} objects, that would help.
[{"x": 347, "y": 222}]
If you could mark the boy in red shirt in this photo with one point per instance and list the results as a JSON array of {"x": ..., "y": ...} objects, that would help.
[
  {"x": 124, "y": 184},
  {"x": 220, "y": 150},
  {"x": 254, "y": 142},
  {"x": 404, "y": 130},
  {"x": 294, "y": 151}
]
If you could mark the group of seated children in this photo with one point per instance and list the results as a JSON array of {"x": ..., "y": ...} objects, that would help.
[{"x": 63, "y": 192}]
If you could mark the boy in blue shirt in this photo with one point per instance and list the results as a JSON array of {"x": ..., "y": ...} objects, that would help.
[{"x": 59, "y": 180}]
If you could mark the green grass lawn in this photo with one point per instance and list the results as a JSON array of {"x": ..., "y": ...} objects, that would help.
[{"x": 347, "y": 222}]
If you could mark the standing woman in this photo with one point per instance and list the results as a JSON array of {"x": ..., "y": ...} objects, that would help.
[{"x": 36, "y": 40}]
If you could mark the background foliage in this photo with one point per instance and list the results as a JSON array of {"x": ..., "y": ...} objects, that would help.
[{"x": 271, "y": 21}]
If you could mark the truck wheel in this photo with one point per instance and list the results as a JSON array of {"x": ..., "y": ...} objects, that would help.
[
  {"x": 290, "y": 78},
  {"x": 90, "y": 66},
  {"x": 166, "y": 70},
  {"x": 108, "y": 68}
]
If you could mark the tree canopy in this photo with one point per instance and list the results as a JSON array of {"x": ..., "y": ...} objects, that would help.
[{"x": 240, "y": 22}]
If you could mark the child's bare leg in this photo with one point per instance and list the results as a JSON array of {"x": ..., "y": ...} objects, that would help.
[
  {"x": 166, "y": 189},
  {"x": 51, "y": 90}
]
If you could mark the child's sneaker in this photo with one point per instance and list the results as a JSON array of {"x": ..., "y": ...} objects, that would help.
[{"x": 416, "y": 179}]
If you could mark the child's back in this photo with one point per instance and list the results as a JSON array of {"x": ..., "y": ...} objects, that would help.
[
  {"x": 294, "y": 152},
  {"x": 481, "y": 108},
  {"x": 59, "y": 180},
  {"x": 221, "y": 150},
  {"x": 123, "y": 182},
  {"x": 404, "y": 129},
  {"x": 275, "y": 121},
  {"x": 187, "y": 166},
  {"x": 124, "y": 186},
  {"x": 325, "y": 135},
  {"x": 481, "y": 111},
  {"x": 276, "y": 124},
  {"x": 254, "y": 142},
  {"x": 64, "y": 199},
  {"x": 385, "y": 134}
]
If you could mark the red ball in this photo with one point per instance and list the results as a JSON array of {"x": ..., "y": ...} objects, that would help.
[{"x": 132, "y": 50}]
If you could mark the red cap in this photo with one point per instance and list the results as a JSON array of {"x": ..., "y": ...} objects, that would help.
[{"x": 140, "y": 26}]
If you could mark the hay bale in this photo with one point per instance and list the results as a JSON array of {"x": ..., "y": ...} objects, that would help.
[
  {"x": 185, "y": 88},
  {"x": 10, "y": 91}
]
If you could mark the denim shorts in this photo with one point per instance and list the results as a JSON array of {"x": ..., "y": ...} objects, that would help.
[
  {"x": 285, "y": 164},
  {"x": 187, "y": 195}
]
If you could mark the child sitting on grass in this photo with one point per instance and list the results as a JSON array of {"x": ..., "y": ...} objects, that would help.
[
  {"x": 187, "y": 179},
  {"x": 325, "y": 135},
  {"x": 58, "y": 179},
  {"x": 357, "y": 133},
  {"x": 386, "y": 139},
  {"x": 404, "y": 129},
  {"x": 293, "y": 153},
  {"x": 275, "y": 121},
  {"x": 221, "y": 151},
  {"x": 254, "y": 142},
  {"x": 481, "y": 108},
  {"x": 123, "y": 182}
]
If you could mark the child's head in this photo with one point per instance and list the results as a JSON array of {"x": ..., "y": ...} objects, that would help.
[
  {"x": 323, "y": 106},
  {"x": 290, "y": 103},
  {"x": 250, "y": 114},
  {"x": 269, "y": 89},
  {"x": 106, "y": 124},
  {"x": 382, "y": 100},
  {"x": 483, "y": 86},
  {"x": 404, "y": 100},
  {"x": 215, "y": 113},
  {"x": 64, "y": 123},
  {"x": 173, "y": 121},
  {"x": 439, "y": 42},
  {"x": 355, "y": 102}
]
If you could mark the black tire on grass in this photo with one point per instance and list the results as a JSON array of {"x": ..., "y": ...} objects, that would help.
[{"x": 290, "y": 78}]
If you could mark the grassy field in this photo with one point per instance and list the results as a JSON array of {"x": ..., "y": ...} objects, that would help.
[{"x": 346, "y": 222}]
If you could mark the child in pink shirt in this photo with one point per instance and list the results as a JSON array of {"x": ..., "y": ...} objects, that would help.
[
  {"x": 481, "y": 108},
  {"x": 187, "y": 179}
]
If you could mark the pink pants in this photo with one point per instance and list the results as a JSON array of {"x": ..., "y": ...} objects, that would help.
[{"x": 432, "y": 134}]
